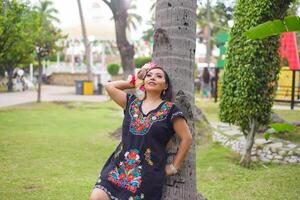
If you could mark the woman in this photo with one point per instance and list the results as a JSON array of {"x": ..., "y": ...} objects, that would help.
[{"x": 137, "y": 168}]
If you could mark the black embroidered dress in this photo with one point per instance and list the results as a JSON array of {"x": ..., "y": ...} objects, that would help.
[{"x": 136, "y": 169}]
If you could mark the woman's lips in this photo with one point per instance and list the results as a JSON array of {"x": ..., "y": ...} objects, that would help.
[{"x": 151, "y": 83}]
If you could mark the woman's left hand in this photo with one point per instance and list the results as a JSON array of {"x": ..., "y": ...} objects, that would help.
[{"x": 169, "y": 171}]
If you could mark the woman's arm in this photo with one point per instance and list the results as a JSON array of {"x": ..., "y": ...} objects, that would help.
[
  {"x": 182, "y": 130},
  {"x": 115, "y": 91}
]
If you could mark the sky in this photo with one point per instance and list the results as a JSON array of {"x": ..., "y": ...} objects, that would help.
[{"x": 96, "y": 10}]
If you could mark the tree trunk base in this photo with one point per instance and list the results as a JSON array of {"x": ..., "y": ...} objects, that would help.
[
  {"x": 245, "y": 160},
  {"x": 200, "y": 197}
]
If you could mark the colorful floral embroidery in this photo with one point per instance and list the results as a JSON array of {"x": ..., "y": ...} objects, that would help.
[
  {"x": 140, "y": 124},
  {"x": 128, "y": 173},
  {"x": 148, "y": 156}
]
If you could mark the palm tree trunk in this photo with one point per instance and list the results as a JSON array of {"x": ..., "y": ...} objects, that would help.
[
  {"x": 125, "y": 48},
  {"x": 85, "y": 41},
  {"x": 174, "y": 50}
]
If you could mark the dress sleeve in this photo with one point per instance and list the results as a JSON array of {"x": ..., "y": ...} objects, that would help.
[
  {"x": 175, "y": 113},
  {"x": 129, "y": 99}
]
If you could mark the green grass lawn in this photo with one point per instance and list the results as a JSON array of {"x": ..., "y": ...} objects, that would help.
[
  {"x": 55, "y": 151},
  {"x": 220, "y": 177},
  {"x": 289, "y": 115},
  {"x": 209, "y": 107},
  {"x": 52, "y": 151}
]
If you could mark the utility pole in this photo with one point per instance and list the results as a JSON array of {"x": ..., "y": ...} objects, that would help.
[{"x": 85, "y": 41}]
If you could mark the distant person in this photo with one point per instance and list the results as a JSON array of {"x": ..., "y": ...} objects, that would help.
[
  {"x": 198, "y": 85},
  {"x": 205, "y": 83},
  {"x": 213, "y": 86},
  {"x": 138, "y": 167}
]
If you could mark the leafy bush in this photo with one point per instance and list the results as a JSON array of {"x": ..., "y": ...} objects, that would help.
[
  {"x": 113, "y": 68},
  {"x": 140, "y": 61}
]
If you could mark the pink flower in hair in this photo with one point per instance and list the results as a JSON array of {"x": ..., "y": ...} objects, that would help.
[{"x": 150, "y": 65}]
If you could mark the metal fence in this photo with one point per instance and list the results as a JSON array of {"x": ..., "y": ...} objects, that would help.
[{"x": 288, "y": 89}]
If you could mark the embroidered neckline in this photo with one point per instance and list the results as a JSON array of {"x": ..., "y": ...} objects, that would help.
[
  {"x": 140, "y": 124},
  {"x": 153, "y": 110}
]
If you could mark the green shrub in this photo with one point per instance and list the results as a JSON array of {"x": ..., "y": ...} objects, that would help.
[
  {"x": 140, "y": 61},
  {"x": 113, "y": 68}
]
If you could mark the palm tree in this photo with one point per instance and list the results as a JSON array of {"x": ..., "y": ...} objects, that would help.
[
  {"x": 174, "y": 50},
  {"x": 119, "y": 9},
  {"x": 211, "y": 19},
  {"x": 148, "y": 34},
  {"x": 46, "y": 11},
  {"x": 85, "y": 41},
  {"x": 133, "y": 19}
]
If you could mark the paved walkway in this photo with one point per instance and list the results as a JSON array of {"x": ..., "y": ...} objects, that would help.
[
  {"x": 67, "y": 93},
  {"x": 49, "y": 93}
]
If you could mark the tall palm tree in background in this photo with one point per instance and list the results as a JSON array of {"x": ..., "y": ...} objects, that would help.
[
  {"x": 46, "y": 16},
  {"x": 148, "y": 34},
  {"x": 212, "y": 19},
  {"x": 85, "y": 41},
  {"x": 119, "y": 9},
  {"x": 133, "y": 19},
  {"x": 47, "y": 11},
  {"x": 174, "y": 50}
]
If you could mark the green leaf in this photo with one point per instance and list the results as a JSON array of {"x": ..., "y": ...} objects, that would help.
[
  {"x": 292, "y": 23},
  {"x": 275, "y": 27},
  {"x": 267, "y": 136},
  {"x": 283, "y": 127}
]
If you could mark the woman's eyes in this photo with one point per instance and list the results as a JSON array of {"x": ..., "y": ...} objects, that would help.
[{"x": 158, "y": 75}]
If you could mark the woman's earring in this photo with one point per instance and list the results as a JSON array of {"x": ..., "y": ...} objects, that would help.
[{"x": 164, "y": 94}]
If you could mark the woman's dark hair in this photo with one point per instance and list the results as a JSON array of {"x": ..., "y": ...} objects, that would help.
[
  {"x": 166, "y": 94},
  {"x": 205, "y": 75}
]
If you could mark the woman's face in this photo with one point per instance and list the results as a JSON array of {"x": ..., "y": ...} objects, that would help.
[{"x": 155, "y": 80}]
